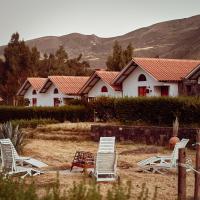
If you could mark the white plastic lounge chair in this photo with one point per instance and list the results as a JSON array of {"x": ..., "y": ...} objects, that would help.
[
  {"x": 106, "y": 160},
  {"x": 9, "y": 163},
  {"x": 106, "y": 167},
  {"x": 159, "y": 163},
  {"x": 23, "y": 160},
  {"x": 107, "y": 144}
]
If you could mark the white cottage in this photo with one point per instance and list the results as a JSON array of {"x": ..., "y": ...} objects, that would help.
[
  {"x": 30, "y": 90},
  {"x": 99, "y": 84},
  {"x": 52, "y": 91},
  {"x": 154, "y": 76},
  {"x": 57, "y": 90}
]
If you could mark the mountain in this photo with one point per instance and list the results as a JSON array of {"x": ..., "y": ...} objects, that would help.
[{"x": 171, "y": 39}]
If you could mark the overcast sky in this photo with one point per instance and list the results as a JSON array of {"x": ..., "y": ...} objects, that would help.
[{"x": 105, "y": 18}]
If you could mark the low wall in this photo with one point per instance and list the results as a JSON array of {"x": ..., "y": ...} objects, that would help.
[{"x": 142, "y": 134}]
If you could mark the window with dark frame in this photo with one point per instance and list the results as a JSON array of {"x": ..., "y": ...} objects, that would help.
[
  {"x": 104, "y": 89},
  {"x": 34, "y": 92},
  {"x": 55, "y": 91},
  {"x": 142, "y": 77}
]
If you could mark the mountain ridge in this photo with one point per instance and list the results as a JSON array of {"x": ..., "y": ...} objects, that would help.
[{"x": 179, "y": 38}]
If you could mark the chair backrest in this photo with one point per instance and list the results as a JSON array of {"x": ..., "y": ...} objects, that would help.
[
  {"x": 105, "y": 162},
  {"x": 179, "y": 145},
  {"x": 107, "y": 144},
  {"x": 8, "y": 160},
  {"x": 8, "y": 141}
]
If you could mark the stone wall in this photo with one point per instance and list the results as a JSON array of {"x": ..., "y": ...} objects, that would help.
[{"x": 142, "y": 134}]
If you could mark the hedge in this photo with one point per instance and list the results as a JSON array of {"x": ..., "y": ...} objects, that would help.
[
  {"x": 152, "y": 110},
  {"x": 69, "y": 113}
]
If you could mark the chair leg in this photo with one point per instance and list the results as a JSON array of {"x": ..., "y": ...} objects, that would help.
[{"x": 25, "y": 175}]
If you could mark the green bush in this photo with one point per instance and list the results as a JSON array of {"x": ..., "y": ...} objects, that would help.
[
  {"x": 104, "y": 108},
  {"x": 15, "y": 189},
  {"x": 152, "y": 110},
  {"x": 69, "y": 113}
]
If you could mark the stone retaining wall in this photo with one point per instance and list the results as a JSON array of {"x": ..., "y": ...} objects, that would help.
[{"x": 142, "y": 134}]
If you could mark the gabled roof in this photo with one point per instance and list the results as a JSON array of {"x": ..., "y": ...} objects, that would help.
[
  {"x": 66, "y": 84},
  {"x": 35, "y": 82},
  {"x": 105, "y": 76},
  {"x": 161, "y": 69}
]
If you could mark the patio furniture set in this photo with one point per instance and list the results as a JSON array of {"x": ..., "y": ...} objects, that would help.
[{"x": 104, "y": 165}]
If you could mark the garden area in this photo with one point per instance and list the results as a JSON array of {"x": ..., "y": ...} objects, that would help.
[
  {"x": 58, "y": 153},
  {"x": 53, "y": 135}
]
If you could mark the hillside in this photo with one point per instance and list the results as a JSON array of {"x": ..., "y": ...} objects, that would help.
[{"x": 171, "y": 39}]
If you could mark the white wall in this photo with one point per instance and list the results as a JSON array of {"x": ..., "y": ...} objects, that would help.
[
  {"x": 30, "y": 96},
  {"x": 130, "y": 84},
  {"x": 96, "y": 90},
  {"x": 47, "y": 99}
]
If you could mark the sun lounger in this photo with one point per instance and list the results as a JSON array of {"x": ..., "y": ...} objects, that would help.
[
  {"x": 106, "y": 144},
  {"x": 106, "y": 160},
  {"x": 159, "y": 163},
  {"x": 9, "y": 165},
  {"x": 23, "y": 160}
]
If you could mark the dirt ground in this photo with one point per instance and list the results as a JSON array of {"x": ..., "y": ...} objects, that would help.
[{"x": 58, "y": 154}]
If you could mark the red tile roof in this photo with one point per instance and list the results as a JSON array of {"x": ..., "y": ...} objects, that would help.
[
  {"x": 35, "y": 82},
  {"x": 65, "y": 84},
  {"x": 106, "y": 76},
  {"x": 161, "y": 69}
]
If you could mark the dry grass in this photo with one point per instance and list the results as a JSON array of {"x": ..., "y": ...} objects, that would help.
[
  {"x": 59, "y": 154},
  {"x": 68, "y": 126}
]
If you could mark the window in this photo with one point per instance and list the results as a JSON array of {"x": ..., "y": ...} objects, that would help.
[
  {"x": 142, "y": 91},
  {"x": 104, "y": 89},
  {"x": 55, "y": 91},
  {"x": 34, "y": 92},
  {"x": 142, "y": 77}
]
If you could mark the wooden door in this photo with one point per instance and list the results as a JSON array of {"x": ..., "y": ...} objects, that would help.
[
  {"x": 164, "y": 90},
  {"x": 34, "y": 101},
  {"x": 56, "y": 102},
  {"x": 142, "y": 92}
]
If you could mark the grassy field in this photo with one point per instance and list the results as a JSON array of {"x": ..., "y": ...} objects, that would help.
[{"x": 59, "y": 153}]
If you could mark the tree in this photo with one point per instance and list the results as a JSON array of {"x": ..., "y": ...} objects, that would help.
[
  {"x": 76, "y": 67},
  {"x": 115, "y": 62},
  {"x": 21, "y": 61},
  {"x": 128, "y": 54},
  {"x": 61, "y": 58},
  {"x": 17, "y": 65},
  {"x": 35, "y": 62},
  {"x": 119, "y": 57}
]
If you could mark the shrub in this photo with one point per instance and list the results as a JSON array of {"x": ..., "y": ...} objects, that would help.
[
  {"x": 104, "y": 108},
  {"x": 152, "y": 110},
  {"x": 69, "y": 113},
  {"x": 7, "y": 130},
  {"x": 15, "y": 189}
]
